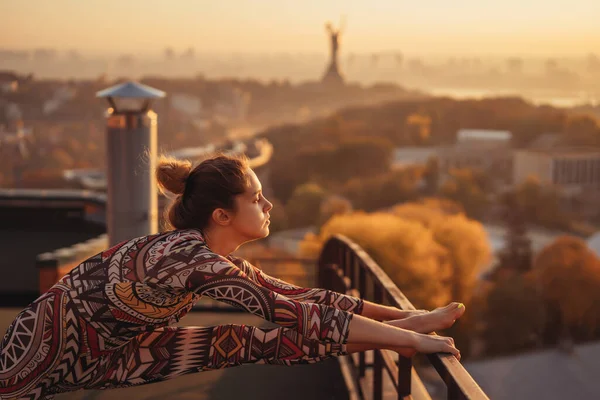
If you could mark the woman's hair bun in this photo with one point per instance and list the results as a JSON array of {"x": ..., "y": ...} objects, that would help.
[{"x": 172, "y": 174}]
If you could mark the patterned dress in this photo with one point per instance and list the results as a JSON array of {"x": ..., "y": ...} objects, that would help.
[{"x": 109, "y": 322}]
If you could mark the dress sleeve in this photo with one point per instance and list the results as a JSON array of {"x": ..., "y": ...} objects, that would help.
[
  {"x": 196, "y": 268},
  {"x": 340, "y": 301}
]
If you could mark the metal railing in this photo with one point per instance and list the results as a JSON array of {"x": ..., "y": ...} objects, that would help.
[{"x": 346, "y": 268}]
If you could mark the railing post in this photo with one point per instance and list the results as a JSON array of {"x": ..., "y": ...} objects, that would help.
[
  {"x": 454, "y": 391},
  {"x": 377, "y": 359},
  {"x": 404, "y": 377},
  {"x": 347, "y": 261}
]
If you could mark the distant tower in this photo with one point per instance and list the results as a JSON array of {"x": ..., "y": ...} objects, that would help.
[{"x": 332, "y": 75}]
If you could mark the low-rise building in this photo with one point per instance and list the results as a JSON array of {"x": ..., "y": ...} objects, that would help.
[{"x": 573, "y": 169}]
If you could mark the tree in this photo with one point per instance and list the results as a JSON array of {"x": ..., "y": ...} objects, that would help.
[
  {"x": 432, "y": 175},
  {"x": 333, "y": 205},
  {"x": 304, "y": 206},
  {"x": 468, "y": 251},
  {"x": 383, "y": 190},
  {"x": 464, "y": 186},
  {"x": 582, "y": 130},
  {"x": 517, "y": 255},
  {"x": 464, "y": 240},
  {"x": 513, "y": 316},
  {"x": 348, "y": 159},
  {"x": 279, "y": 220},
  {"x": 419, "y": 128},
  {"x": 568, "y": 275},
  {"x": 541, "y": 204},
  {"x": 404, "y": 249}
]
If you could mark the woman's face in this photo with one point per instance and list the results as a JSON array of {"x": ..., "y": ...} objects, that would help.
[{"x": 251, "y": 219}]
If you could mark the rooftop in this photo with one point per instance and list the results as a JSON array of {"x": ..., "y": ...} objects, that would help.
[
  {"x": 559, "y": 374},
  {"x": 562, "y": 151},
  {"x": 465, "y": 135}
]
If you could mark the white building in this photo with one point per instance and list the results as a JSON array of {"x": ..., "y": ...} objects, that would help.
[
  {"x": 574, "y": 169},
  {"x": 483, "y": 136},
  {"x": 186, "y": 104},
  {"x": 404, "y": 156}
]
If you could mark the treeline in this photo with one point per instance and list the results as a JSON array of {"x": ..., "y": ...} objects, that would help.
[{"x": 359, "y": 141}]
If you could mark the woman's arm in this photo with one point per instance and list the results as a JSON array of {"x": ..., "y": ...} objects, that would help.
[
  {"x": 309, "y": 295},
  {"x": 322, "y": 296}
]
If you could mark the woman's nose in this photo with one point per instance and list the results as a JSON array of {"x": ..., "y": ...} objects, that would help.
[{"x": 269, "y": 205}]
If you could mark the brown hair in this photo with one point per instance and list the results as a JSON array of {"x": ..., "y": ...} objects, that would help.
[{"x": 200, "y": 190}]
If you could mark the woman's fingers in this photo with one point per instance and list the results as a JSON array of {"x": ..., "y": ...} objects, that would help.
[{"x": 450, "y": 348}]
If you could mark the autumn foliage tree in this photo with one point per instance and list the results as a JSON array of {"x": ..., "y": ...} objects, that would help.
[
  {"x": 567, "y": 273},
  {"x": 431, "y": 255}
]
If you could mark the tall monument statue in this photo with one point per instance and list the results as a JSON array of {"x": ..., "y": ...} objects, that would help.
[{"x": 332, "y": 74}]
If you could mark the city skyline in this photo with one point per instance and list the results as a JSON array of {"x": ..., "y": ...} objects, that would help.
[{"x": 236, "y": 26}]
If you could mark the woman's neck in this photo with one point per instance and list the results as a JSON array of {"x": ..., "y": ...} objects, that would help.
[{"x": 220, "y": 241}]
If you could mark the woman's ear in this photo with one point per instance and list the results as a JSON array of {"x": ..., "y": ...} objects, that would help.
[{"x": 221, "y": 217}]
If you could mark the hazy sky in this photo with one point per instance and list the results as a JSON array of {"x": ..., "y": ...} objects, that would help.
[{"x": 545, "y": 27}]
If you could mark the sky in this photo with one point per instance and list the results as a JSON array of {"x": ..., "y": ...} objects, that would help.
[{"x": 520, "y": 27}]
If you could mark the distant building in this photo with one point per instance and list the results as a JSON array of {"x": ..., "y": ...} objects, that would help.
[
  {"x": 12, "y": 112},
  {"x": 404, "y": 156},
  {"x": 186, "y": 104},
  {"x": 233, "y": 105},
  {"x": 546, "y": 141},
  {"x": 9, "y": 82},
  {"x": 61, "y": 95},
  {"x": 487, "y": 150},
  {"x": 14, "y": 150},
  {"x": 483, "y": 136},
  {"x": 593, "y": 243},
  {"x": 573, "y": 169},
  {"x": 492, "y": 158}
]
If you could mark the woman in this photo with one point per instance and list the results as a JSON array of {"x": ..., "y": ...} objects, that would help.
[{"x": 109, "y": 323}]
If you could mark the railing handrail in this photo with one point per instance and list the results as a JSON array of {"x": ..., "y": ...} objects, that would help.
[{"x": 459, "y": 381}]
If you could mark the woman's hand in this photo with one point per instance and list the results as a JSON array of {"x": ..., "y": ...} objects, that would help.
[{"x": 428, "y": 344}]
